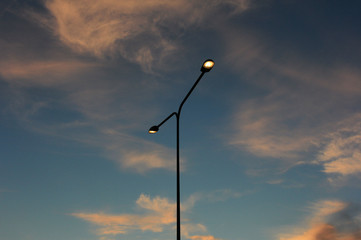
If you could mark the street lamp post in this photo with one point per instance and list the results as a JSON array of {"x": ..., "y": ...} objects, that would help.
[{"x": 206, "y": 67}]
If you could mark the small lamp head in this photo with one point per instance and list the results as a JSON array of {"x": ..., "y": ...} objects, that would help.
[
  {"x": 153, "y": 129},
  {"x": 207, "y": 65}
]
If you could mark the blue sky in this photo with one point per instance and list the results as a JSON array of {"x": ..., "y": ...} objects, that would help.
[{"x": 270, "y": 138}]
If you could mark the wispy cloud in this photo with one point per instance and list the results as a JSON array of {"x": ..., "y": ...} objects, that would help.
[
  {"x": 219, "y": 195},
  {"x": 294, "y": 132},
  {"x": 137, "y": 154},
  {"x": 42, "y": 72},
  {"x": 99, "y": 109},
  {"x": 158, "y": 215},
  {"x": 275, "y": 181},
  {"x": 341, "y": 155},
  {"x": 296, "y": 121},
  {"x": 142, "y": 32},
  {"x": 272, "y": 127},
  {"x": 334, "y": 220},
  {"x": 102, "y": 109},
  {"x": 253, "y": 54},
  {"x": 209, "y": 237},
  {"x": 93, "y": 119},
  {"x": 196, "y": 231}
]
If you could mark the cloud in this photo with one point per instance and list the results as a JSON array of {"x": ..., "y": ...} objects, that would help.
[
  {"x": 285, "y": 123},
  {"x": 137, "y": 154},
  {"x": 142, "y": 32},
  {"x": 127, "y": 151},
  {"x": 331, "y": 220},
  {"x": 190, "y": 229},
  {"x": 159, "y": 213},
  {"x": 293, "y": 131},
  {"x": 262, "y": 129},
  {"x": 149, "y": 160},
  {"x": 89, "y": 110},
  {"x": 91, "y": 105},
  {"x": 219, "y": 195},
  {"x": 275, "y": 181},
  {"x": 340, "y": 78},
  {"x": 158, "y": 216},
  {"x": 42, "y": 72},
  {"x": 318, "y": 232},
  {"x": 252, "y": 53},
  {"x": 203, "y": 238},
  {"x": 303, "y": 103},
  {"x": 97, "y": 107},
  {"x": 195, "y": 231},
  {"x": 324, "y": 208},
  {"x": 341, "y": 154},
  {"x": 281, "y": 127}
]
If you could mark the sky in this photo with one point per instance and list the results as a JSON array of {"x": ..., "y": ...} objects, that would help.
[{"x": 270, "y": 139}]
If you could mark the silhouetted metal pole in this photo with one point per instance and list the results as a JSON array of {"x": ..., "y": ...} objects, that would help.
[{"x": 206, "y": 67}]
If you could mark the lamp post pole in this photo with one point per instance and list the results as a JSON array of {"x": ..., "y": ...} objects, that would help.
[{"x": 206, "y": 67}]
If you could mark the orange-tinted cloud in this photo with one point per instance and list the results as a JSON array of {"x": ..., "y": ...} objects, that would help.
[
  {"x": 292, "y": 129},
  {"x": 158, "y": 216},
  {"x": 317, "y": 232},
  {"x": 307, "y": 104},
  {"x": 342, "y": 153},
  {"x": 159, "y": 213},
  {"x": 261, "y": 130},
  {"x": 205, "y": 237},
  {"x": 330, "y": 220},
  {"x": 137, "y": 154},
  {"x": 142, "y": 32},
  {"x": 93, "y": 103}
]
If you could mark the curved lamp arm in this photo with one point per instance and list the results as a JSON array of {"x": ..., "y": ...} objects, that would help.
[
  {"x": 155, "y": 128},
  {"x": 189, "y": 93},
  {"x": 206, "y": 67}
]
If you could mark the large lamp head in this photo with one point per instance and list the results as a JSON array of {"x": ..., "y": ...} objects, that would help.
[
  {"x": 207, "y": 65},
  {"x": 153, "y": 129}
]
